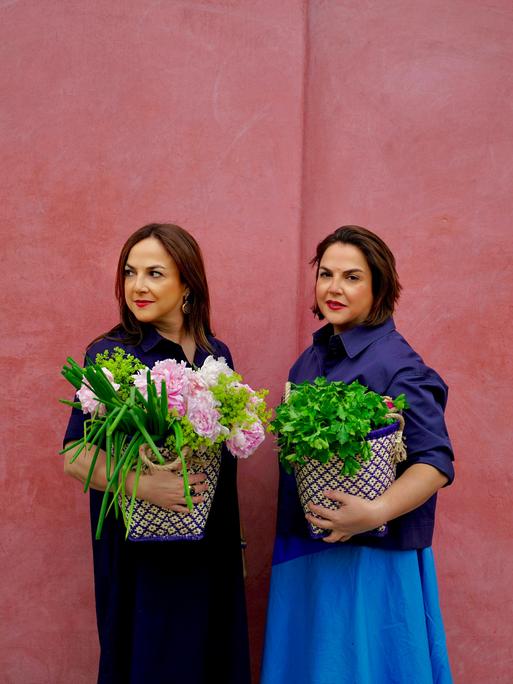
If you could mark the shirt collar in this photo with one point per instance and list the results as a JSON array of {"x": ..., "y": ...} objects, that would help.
[
  {"x": 354, "y": 340},
  {"x": 151, "y": 337}
]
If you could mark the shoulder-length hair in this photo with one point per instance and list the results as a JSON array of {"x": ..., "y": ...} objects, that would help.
[
  {"x": 186, "y": 253},
  {"x": 385, "y": 281}
]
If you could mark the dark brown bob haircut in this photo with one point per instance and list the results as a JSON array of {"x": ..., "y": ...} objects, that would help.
[
  {"x": 385, "y": 281},
  {"x": 186, "y": 253}
]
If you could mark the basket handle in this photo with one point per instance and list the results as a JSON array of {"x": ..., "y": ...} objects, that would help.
[
  {"x": 399, "y": 447},
  {"x": 152, "y": 467}
]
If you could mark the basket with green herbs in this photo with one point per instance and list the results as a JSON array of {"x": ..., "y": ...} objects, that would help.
[{"x": 339, "y": 436}]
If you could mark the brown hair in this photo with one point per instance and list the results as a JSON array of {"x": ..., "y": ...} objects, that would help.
[
  {"x": 385, "y": 281},
  {"x": 186, "y": 253}
]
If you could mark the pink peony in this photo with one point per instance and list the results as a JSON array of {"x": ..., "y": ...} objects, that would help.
[
  {"x": 246, "y": 440},
  {"x": 140, "y": 381},
  {"x": 177, "y": 377},
  {"x": 202, "y": 412},
  {"x": 196, "y": 384},
  {"x": 87, "y": 399}
]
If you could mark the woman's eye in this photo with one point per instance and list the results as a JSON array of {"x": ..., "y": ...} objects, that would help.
[
  {"x": 323, "y": 274},
  {"x": 128, "y": 272},
  {"x": 155, "y": 274},
  {"x": 353, "y": 277}
]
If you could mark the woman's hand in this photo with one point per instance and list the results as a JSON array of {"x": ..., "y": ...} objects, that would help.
[
  {"x": 165, "y": 488},
  {"x": 354, "y": 515}
]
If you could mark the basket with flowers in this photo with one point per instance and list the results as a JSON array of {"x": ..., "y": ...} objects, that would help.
[
  {"x": 339, "y": 436},
  {"x": 169, "y": 417}
]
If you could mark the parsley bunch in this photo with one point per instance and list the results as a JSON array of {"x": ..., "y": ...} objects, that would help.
[{"x": 325, "y": 419}]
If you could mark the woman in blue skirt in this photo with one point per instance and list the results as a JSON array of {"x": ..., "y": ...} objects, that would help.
[{"x": 354, "y": 607}]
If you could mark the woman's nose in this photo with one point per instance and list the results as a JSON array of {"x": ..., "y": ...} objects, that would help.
[
  {"x": 140, "y": 283},
  {"x": 336, "y": 285}
]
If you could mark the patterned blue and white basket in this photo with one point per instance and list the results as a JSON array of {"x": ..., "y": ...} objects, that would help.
[
  {"x": 153, "y": 523},
  {"x": 374, "y": 477}
]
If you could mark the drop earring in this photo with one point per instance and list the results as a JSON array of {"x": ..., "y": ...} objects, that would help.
[{"x": 186, "y": 306}]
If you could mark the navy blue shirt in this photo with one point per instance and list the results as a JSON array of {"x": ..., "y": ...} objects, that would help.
[{"x": 380, "y": 358}]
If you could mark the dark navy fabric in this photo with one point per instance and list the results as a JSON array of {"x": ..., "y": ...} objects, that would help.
[
  {"x": 380, "y": 358},
  {"x": 170, "y": 612}
]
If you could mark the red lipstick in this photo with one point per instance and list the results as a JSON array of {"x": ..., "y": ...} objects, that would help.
[{"x": 335, "y": 306}]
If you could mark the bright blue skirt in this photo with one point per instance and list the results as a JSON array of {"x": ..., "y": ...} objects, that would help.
[{"x": 355, "y": 615}]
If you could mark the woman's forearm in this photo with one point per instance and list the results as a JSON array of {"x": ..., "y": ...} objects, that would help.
[
  {"x": 79, "y": 469},
  {"x": 162, "y": 488},
  {"x": 413, "y": 488},
  {"x": 355, "y": 515}
]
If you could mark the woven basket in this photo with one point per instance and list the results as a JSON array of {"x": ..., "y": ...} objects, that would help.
[
  {"x": 374, "y": 477},
  {"x": 153, "y": 523}
]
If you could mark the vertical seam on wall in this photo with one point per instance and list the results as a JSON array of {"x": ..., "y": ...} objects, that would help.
[{"x": 302, "y": 175}]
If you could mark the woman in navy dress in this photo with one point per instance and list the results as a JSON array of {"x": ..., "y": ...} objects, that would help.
[
  {"x": 356, "y": 608},
  {"x": 167, "y": 612}
]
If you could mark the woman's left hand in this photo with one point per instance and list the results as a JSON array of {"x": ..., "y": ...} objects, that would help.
[{"x": 354, "y": 515}]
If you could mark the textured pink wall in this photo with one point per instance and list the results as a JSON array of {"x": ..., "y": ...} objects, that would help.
[
  {"x": 409, "y": 131},
  {"x": 203, "y": 113},
  {"x": 120, "y": 113}
]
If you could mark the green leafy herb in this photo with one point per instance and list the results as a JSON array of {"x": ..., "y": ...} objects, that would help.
[{"x": 323, "y": 420}]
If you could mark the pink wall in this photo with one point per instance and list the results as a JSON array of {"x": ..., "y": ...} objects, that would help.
[
  {"x": 260, "y": 127},
  {"x": 409, "y": 131}
]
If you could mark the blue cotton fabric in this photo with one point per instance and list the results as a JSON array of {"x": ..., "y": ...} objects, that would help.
[{"x": 355, "y": 615}]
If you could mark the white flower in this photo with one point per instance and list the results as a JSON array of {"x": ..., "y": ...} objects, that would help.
[{"x": 212, "y": 369}]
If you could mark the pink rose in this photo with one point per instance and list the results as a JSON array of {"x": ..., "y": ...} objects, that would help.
[{"x": 245, "y": 441}]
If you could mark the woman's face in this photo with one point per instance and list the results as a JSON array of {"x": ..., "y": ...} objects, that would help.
[
  {"x": 344, "y": 286},
  {"x": 154, "y": 292}
]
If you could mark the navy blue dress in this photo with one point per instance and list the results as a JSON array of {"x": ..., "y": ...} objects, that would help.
[{"x": 170, "y": 612}]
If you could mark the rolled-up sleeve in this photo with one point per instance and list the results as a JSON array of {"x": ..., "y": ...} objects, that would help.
[{"x": 425, "y": 432}]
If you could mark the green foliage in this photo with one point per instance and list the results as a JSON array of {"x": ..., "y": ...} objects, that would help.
[
  {"x": 122, "y": 366},
  {"x": 127, "y": 424},
  {"x": 195, "y": 442},
  {"x": 325, "y": 419},
  {"x": 233, "y": 397}
]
